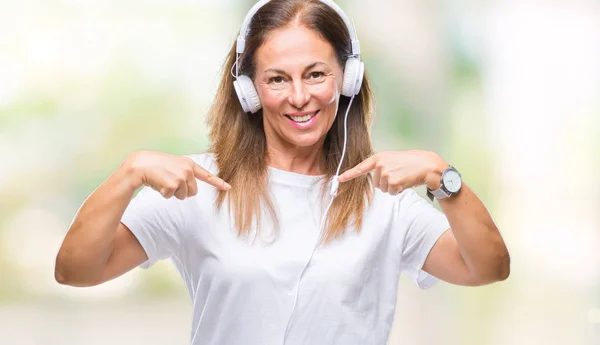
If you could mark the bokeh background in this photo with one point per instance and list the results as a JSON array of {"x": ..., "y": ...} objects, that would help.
[{"x": 507, "y": 91}]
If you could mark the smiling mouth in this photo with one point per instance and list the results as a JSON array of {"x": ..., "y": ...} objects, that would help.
[{"x": 302, "y": 118}]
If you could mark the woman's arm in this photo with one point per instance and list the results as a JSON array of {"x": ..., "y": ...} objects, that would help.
[
  {"x": 86, "y": 250},
  {"x": 98, "y": 247},
  {"x": 473, "y": 252}
]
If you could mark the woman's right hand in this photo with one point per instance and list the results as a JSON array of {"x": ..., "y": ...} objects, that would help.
[{"x": 170, "y": 175}]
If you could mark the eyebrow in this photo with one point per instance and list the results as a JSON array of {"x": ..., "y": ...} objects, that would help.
[{"x": 279, "y": 71}]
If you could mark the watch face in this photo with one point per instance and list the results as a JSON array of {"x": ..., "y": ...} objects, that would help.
[{"x": 452, "y": 181}]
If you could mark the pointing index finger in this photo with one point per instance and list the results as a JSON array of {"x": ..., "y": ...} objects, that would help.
[
  {"x": 362, "y": 168},
  {"x": 204, "y": 175}
]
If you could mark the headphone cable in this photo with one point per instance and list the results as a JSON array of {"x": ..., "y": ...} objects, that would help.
[{"x": 333, "y": 192}]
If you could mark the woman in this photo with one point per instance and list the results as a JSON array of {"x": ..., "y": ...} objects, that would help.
[{"x": 270, "y": 257}]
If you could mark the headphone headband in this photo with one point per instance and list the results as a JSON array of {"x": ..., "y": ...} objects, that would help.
[{"x": 241, "y": 41}]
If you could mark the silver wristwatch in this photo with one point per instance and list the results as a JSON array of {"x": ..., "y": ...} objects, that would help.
[{"x": 450, "y": 184}]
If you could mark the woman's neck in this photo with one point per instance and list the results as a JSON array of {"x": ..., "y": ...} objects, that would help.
[{"x": 301, "y": 160}]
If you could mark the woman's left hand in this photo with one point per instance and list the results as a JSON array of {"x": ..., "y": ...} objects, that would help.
[{"x": 396, "y": 171}]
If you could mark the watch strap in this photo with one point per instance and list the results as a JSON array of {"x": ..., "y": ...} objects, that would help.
[{"x": 439, "y": 193}]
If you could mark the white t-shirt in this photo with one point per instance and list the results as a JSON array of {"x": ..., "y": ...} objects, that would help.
[{"x": 243, "y": 291}]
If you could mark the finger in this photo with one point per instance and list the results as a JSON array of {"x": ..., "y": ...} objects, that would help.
[
  {"x": 167, "y": 190},
  {"x": 383, "y": 182},
  {"x": 192, "y": 186},
  {"x": 395, "y": 188},
  {"x": 209, "y": 178},
  {"x": 182, "y": 191},
  {"x": 377, "y": 176},
  {"x": 362, "y": 168}
]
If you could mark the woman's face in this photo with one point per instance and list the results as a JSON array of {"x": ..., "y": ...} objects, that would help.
[{"x": 298, "y": 80}]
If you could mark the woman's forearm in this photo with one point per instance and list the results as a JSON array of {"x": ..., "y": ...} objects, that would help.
[
  {"x": 481, "y": 245},
  {"x": 88, "y": 242}
]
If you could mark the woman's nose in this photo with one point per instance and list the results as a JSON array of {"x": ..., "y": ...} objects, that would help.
[{"x": 299, "y": 96}]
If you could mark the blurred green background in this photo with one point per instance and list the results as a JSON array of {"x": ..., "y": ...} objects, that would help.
[{"x": 508, "y": 92}]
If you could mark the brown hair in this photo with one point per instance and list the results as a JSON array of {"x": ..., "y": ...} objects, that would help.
[{"x": 238, "y": 140}]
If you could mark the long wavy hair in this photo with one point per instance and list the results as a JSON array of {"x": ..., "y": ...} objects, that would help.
[{"x": 238, "y": 139}]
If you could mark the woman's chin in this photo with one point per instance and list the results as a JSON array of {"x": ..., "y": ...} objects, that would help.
[{"x": 304, "y": 140}]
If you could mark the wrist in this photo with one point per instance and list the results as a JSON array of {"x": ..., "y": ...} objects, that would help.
[
  {"x": 433, "y": 178},
  {"x": 130, "y": 173}
]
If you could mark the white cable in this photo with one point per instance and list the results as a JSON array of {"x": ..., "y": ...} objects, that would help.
[
  {"x": 332, "y": 193},
  {"x": 236, "y": 64},
  {"x": 345, "y": 136}
]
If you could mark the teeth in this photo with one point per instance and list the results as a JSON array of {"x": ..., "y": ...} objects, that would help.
[{"x": 302, "y": 118}]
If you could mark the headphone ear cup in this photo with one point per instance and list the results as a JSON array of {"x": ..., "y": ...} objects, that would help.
[
  {"x": 353, "y": 77},
  {"x": 240, "y": 96},
  {"x": 244, "y": 88}
]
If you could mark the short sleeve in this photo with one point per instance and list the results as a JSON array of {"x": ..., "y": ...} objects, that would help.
[
  {"x": 422, "y": 225},
  {"x": 157, "y": 224}
]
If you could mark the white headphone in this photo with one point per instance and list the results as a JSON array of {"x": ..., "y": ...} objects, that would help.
[{"x": 353, "y": 71}]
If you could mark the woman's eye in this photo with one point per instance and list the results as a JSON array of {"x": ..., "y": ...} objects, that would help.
[
  {"x": 316, "y": 75},
  {"x": 276, "y": 80}
]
